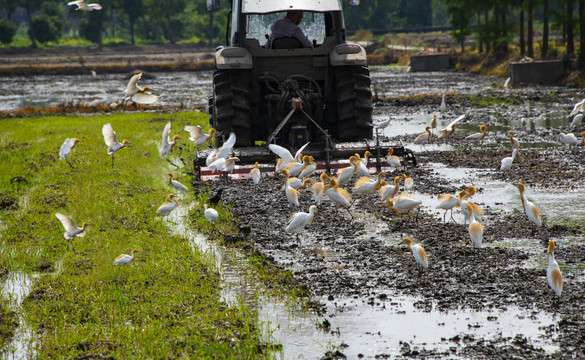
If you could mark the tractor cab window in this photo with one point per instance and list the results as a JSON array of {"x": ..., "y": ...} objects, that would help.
[{"x": 259, "y": 25}]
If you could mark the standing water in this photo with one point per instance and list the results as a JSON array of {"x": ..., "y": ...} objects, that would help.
[
  {"x": 358, "y": 327},
  {"x": 16, "y": 288}
]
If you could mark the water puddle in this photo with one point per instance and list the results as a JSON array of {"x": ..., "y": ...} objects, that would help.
[
  {"x": 357, "y": 327},
  {"x": 15, "y": 289},
  {"x": 557, "y": 205},
  {"x": 537, "y": 254}
]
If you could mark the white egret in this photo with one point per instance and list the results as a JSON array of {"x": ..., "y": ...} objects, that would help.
[
  {"x": 81, "y": 5},
  {"x": 137, "y": 94},
  {"x": 167, "y": 143},
  {"x": 477, "y": 137},
  {"x": 366, "y": 185},
  {"x": 111, "y": 141},
  {"x": 529, "y": 208},
  {"x": 66, "y": 148},
  {"x": 300, "y": 219},
  {"x": 553, "y": 272},
  {"x": 449, "y": 129},
  {"x": 419, "y": 254},
  {"x": 125, "y": 259},
  {"x": 166, "y": 208},
  {"x": 506, "y": 163},
  {"x": 577, "y": 119},
  {"x": 449, "y": 202},
  {"x": 424, "y": 137},
  {"x": 210, "y": 214},
  {"x": 393, "y": 160},
  {"x": 177, "y": 185},
  {"x": 255, "y": 173},
  {"x": 569, "y": 139},
  {"x": 338, "y": 196},
  {"x": 198, "y": 136},
  {"x": 475, "y": 229},
  {"x": 71, "y": 231}
]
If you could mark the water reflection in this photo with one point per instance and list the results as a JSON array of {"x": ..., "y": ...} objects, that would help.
[
  {"x": 15, "y": 289},
  {"x": 383, "y": 327},
  {"x": 367, "y": 327}
]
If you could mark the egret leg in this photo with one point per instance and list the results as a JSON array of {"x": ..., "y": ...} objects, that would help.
[
  {"x": 69, "y": 163},
  {"x": 170, "y": 162},
  {"x": 350, "y": 214},
  {"x": 452, "y": 215},
  {"x": 112, "y": 160}
]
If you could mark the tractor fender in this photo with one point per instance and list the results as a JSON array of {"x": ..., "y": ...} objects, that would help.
[
  {"x": 232, "y": 58},
  {"x": 347, "y": 54}
]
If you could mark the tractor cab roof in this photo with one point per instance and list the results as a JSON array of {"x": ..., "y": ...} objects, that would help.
[{"x": 268, "y": 6}]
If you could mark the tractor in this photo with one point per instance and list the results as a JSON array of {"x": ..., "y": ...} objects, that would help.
[{"x": 281, "y": 92}]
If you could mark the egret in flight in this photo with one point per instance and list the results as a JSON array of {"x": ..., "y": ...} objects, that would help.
[
  {"x": 71, "y": 231},
  {"x": 66, "y": 148},
  {"x": 82, "y": 6},
  {"x": 198, "y": 136},
  {"x": 111, "y": 141},
  {"x": 167, "y": 143},
  {"x": 139, "y": 95}
]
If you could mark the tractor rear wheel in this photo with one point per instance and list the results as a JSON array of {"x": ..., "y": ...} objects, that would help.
[
  {"x": 231, "y": 105},
  {"x": 354, "y": 102}
]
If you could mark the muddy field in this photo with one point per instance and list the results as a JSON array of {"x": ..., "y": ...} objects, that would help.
[
  {"x": 344, "y": 261},
  {"x": 338, "y": 257}
]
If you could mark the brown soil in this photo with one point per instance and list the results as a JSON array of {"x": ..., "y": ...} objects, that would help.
[
  {"x": 460, "y": 276},
  {"x": 110, "y": 59}
]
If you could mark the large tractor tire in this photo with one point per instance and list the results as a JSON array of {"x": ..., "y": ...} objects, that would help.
[
  {"x": 354, "y": 103},
  {"x": 231, "y": 105}
]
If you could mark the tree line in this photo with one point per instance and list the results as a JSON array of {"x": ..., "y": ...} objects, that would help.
[{"x": 495, "y": 24}]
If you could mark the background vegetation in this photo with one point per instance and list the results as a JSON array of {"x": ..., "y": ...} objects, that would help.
[{"x": 537, "y": 27}]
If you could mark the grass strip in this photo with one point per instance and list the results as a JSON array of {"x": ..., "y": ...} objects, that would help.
[{"x": 164, "y": 305}]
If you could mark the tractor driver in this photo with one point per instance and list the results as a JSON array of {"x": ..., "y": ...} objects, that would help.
[{"x": 288, "y": 27}]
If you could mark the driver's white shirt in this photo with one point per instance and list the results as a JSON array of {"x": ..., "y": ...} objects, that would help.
[{"x": 286, "y": 28}]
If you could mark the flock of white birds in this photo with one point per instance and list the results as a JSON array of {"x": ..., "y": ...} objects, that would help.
[
  {"x": 113, "y": 145},
  {"x": 298, "y": 168}
]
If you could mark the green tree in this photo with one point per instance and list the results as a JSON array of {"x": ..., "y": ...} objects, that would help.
[
  {"x": 202, "y": 24},
  {"x": 91, "y": 26},
  {"x": 530, "y": 23},
  {"x": 569, "y": 27},
  {"x": 417, "y": 13},
  {"x": 7, "y": 31},
  {"x": 166, "y": 14},
  {"x": 45, "y": 29},
  {"x": 545, "y": 29},
  {"x": 134, "y": 9},
  {"x": 30, "y": 6},
  {"x": 9, "y": 6},
  {"x": 55, "y": 11},
  {"x": 377, "y": 14},
  {"x": 440, "y": 16},
  {"x": 460, "y": 15}
]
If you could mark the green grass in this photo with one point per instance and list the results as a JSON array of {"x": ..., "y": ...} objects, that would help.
[{"x": 164, "y": 305}]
